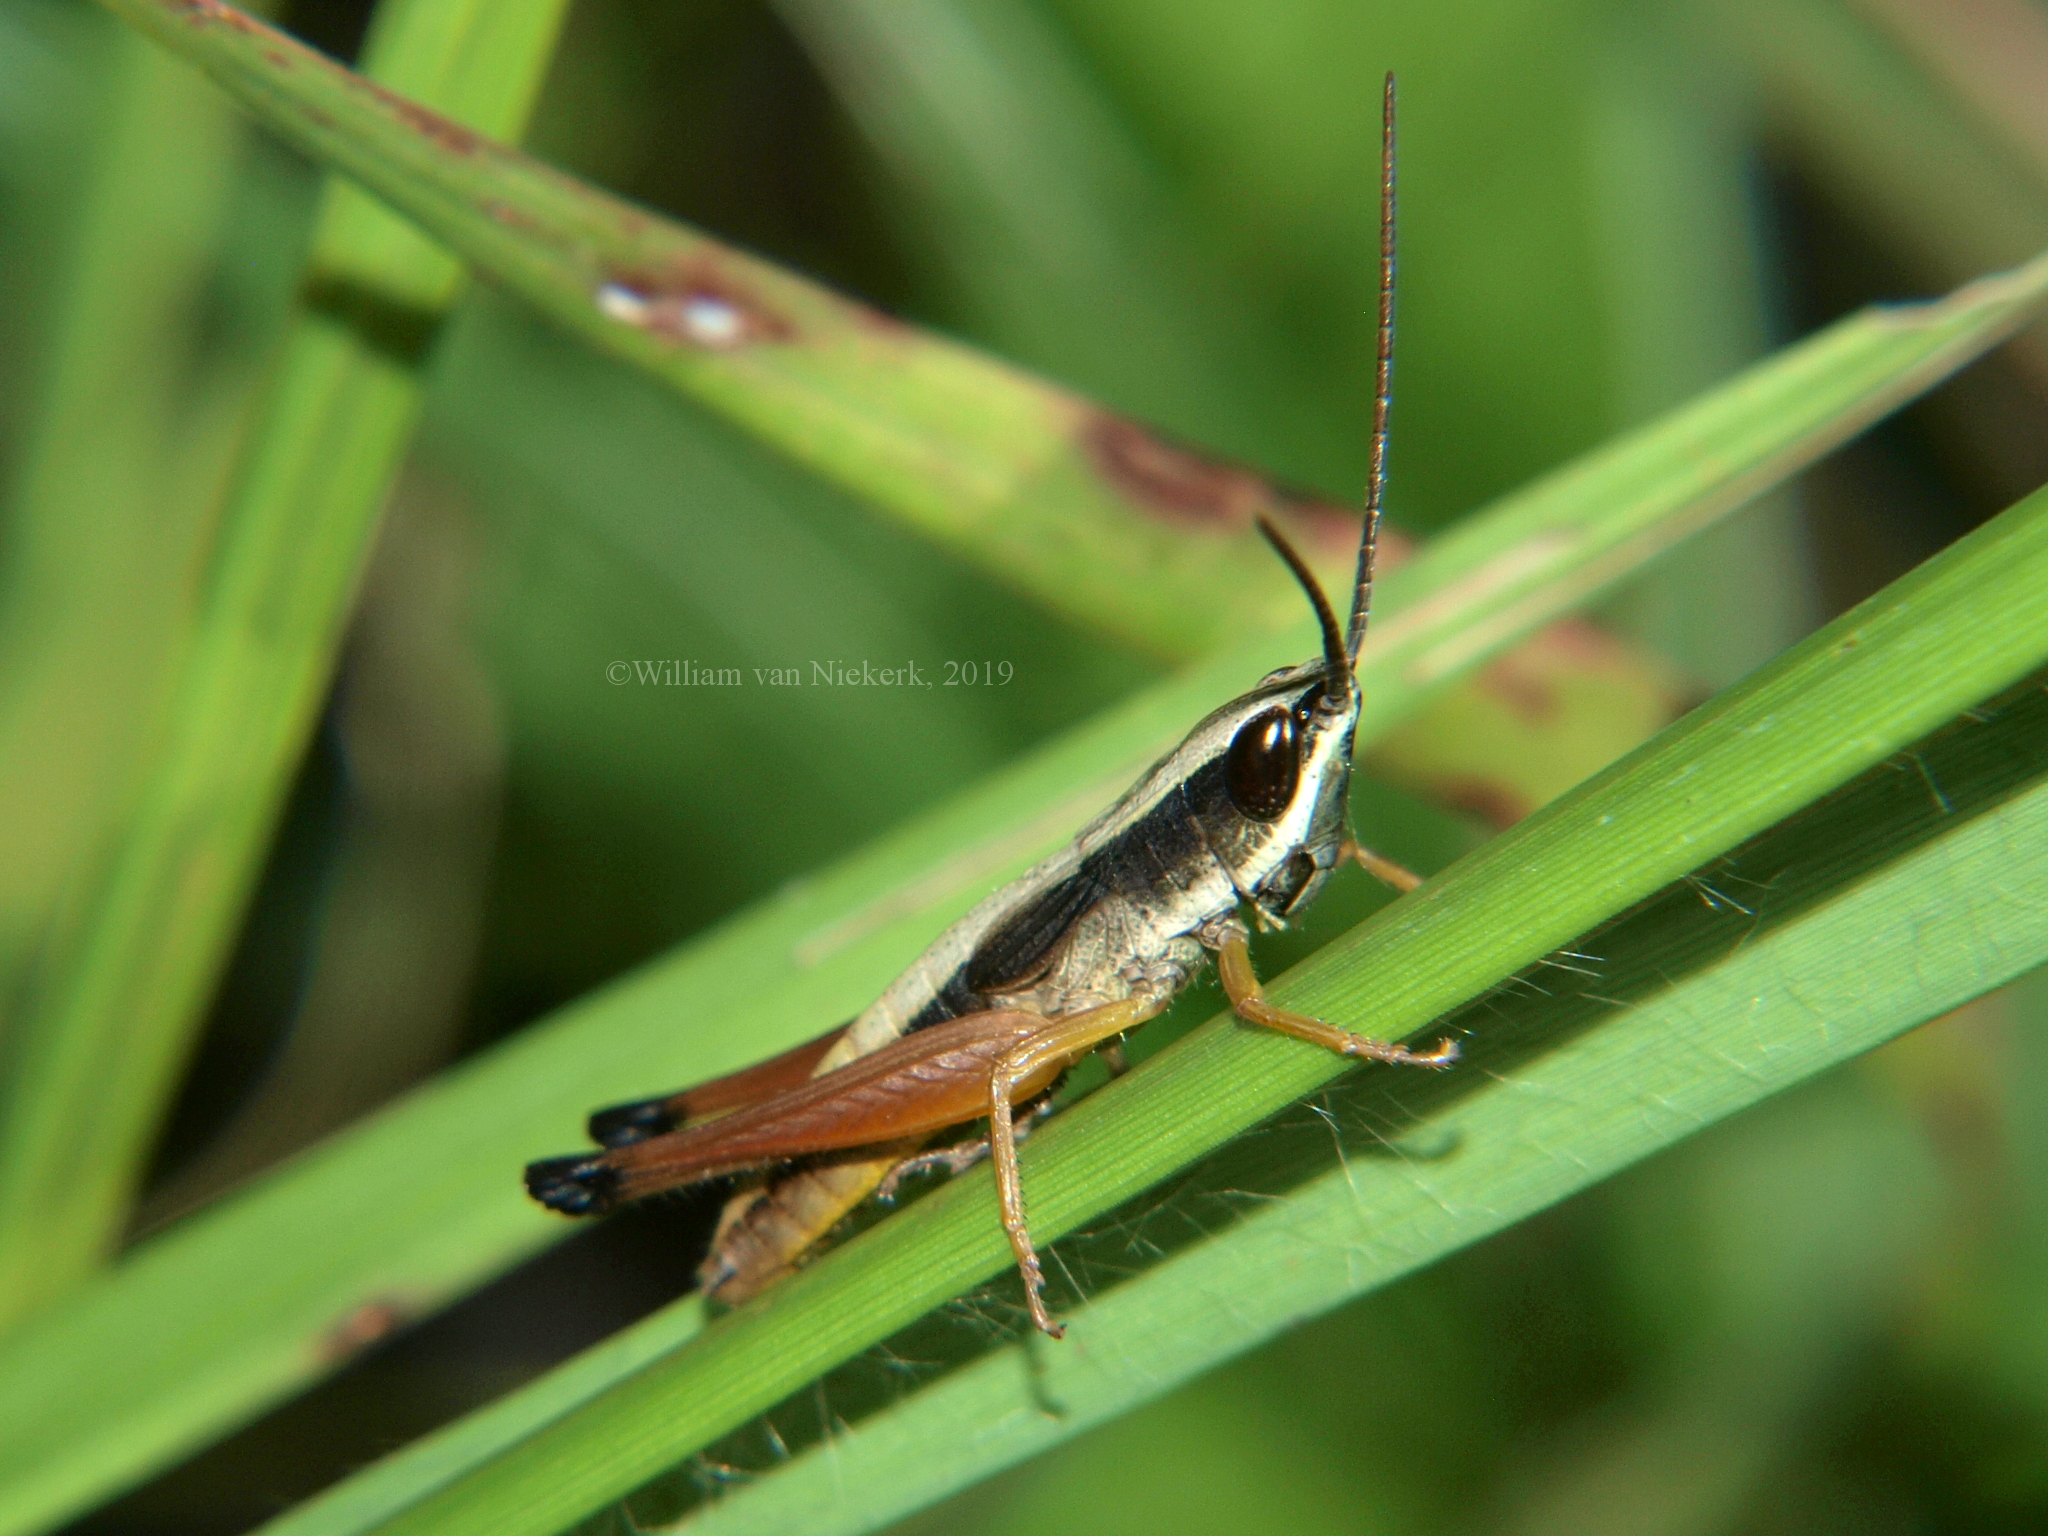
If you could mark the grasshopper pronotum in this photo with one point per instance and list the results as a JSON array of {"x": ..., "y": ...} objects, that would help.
[{"x": 1250, "y": 810}]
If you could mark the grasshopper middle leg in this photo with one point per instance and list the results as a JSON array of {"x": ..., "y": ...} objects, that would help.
[
  {"x": 1061, "y": 1042},
  {"x": 962, "y": 1155}
]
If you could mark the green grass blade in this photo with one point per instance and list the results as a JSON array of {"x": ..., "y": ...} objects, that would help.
[
  {"x": 365, "y": 1501},
  {"x": 1934, "y": 909},
  {"x": 113, "y": 1011},
  {"x": 422, "y": 1202},
  {"x": 109, "y": 501},
  {"x": 1867, "y": 686}
]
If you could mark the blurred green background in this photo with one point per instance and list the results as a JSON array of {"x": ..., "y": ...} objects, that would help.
[{"x": 1829, "y": 1315}]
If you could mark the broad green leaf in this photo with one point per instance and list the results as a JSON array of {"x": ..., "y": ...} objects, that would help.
[
  {"x": 421, "y": 1203},
  {"x": 1870, "y": 685},
  {"x": 118, "y": 996}
]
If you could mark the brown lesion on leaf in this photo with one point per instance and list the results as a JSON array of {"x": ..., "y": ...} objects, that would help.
[
  {"x": 285, "y": 52},
  {"x": 1585, "y": 643},
  {"x": 429, "y": 124},
  {"x": 698, "y": 302},
  {"x": 630, "y": 222},
  {"x": 1171, "y": 480},
  {"x": 881, "y": 322},
  {"x": 1526, "y": 692},
  {"x": 511, "y": 215},
  {"x": 1527, "y": 678},
  {"x": 1499, "y": 805},
  {"x": 199, "y": 12},
  {"x": 1199, "y": 491},
  {"x": 361, "y": 1326}
]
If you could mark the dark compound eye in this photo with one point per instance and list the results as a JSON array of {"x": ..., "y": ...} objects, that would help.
[{"x": 1263, "y": 765}]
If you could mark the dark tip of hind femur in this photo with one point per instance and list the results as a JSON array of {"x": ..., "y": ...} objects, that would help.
[
  {"x": 578, "y": 1185},
  {"x": 624, "y": 1124}
]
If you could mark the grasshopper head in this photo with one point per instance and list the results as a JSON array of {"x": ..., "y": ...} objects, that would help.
[{"x": 1273, "y": 792}]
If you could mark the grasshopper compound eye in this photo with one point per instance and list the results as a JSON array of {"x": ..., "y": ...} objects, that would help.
[{"x": 1263, "y": 766}]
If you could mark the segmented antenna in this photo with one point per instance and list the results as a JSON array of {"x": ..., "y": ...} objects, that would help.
[
  {"x": 1383, "y": 388},
  {"x": 1334, "y": 659}
]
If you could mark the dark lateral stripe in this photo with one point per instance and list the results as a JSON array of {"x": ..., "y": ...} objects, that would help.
[{"x": 1018, "y": 951}]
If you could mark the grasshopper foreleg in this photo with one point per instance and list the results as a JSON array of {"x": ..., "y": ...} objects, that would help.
[
  {"x": 1248, "y": 1000},
  {"x": 1379, "y": 866}
]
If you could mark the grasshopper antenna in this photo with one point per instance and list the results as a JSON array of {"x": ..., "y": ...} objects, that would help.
[
  {"x": 1335, "y": 662},
  {"x": 1383, "y": 388}
]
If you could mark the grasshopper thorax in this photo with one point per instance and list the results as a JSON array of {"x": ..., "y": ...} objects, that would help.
[{"x": 1270, "y": 784}]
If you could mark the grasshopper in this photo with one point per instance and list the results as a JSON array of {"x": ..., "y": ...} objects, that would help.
[{"x": 1250, "y": 811}]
